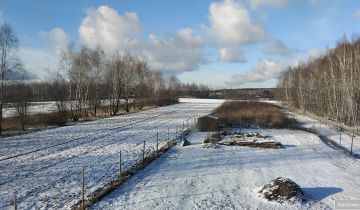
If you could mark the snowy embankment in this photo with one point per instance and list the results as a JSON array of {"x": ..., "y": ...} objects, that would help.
[
  {"x": 194, "y": 177},
  {"x": 330, "y": 133},
  {"x": 43, "y": 169}
]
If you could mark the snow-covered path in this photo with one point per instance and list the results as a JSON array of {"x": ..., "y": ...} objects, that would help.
[
  {"x": 193, "y": 177},
  {"x": 43, "y": 168},
  {"x": 329, "y": 132}
]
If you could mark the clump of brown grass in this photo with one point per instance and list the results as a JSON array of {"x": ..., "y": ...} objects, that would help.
[{"x": 252, "y": 113}]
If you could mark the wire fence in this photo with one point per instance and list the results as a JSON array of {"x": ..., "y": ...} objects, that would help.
[
  {"x": 104, "y": 171},
  {"x": 344, "y": 139}
]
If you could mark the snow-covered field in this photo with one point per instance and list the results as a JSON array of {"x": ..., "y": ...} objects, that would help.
[
  {"x": 43, "y": 168},
  {"x": 194, "y": 177},
  {"x": 36, "y": 107},
  {"x": 47, "y": 107}
]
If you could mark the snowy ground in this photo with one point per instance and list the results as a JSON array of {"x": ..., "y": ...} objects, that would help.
[
  {"x": 50, "y": 106},
  {"x": 43, "y": 168},
  {"x": 194, "y": 177},
  {"x": 36, "y": 107},
  {"x": 329, "y": 132}
]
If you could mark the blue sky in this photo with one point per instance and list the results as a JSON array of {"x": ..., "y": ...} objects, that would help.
[{"x": 229, "y": 43}]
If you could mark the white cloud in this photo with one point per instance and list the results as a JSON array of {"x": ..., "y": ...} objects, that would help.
[
  {"x": 258, "y": 3},
  {"x": 357, "y": 13},
  {"x": 316, "y": 53},
  {"x": 104, "y": 26},
  {"x": 185, "y": 38},
  {"x": 182, "y": 51},
  {"x": 230, "y": 23},
  {"x": 264, "y": 70},
  {"x": 276, "y": 47},
  {"x": 232, "y": 55},
  {"x": 59, "y": 39},
  {"x": 38, "y": 62}
]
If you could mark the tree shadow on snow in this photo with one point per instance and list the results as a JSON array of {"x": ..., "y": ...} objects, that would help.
[{"x": 320, "y": 193}]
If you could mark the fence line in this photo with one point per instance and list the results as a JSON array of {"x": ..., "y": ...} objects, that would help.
[
  {"x": 337, "y": 139},
  {"x": 145, "y": 159},
  {"x": 150, "y": 149}
]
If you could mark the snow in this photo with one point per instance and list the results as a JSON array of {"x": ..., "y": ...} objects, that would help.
[
  {"x": 36, "y": 107},
  {"x": 43, "y": 168},
  {"x": 195, "y": 177},
  {"x": 49, "y": 106},
  {"x": 329, "y": 132},
  {"x": 196, "y": 100}
]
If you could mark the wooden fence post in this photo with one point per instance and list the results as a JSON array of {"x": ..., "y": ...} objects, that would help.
[
  {"x": 157, "y": 142},
  {"x": 340, "y": 136},
  {"x": 15, "y": 204},
  {"x": 83, "y": 188},
  {"x": 120, "y": 163},
  {"x": 352, "y": 141},
  {"x": 143, "y": 156}
]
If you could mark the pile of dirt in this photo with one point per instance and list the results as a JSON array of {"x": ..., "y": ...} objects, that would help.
[
  {"x": 248, "y": 139},
  {"x": 266, "y": 144},
  {"x": 282, "y": 190}
]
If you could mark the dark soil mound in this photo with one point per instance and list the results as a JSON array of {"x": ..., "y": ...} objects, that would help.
[{"x": 282, "y": 189}]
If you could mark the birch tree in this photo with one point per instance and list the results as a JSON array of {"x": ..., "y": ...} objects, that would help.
[{"x": 8, "y": 47}]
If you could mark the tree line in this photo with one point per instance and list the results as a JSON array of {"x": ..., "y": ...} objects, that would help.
[
  {"x": 327, "y": 86},
  {"x": 87, "y": 80}
]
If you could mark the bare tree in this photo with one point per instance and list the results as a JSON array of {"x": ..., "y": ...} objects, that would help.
[
  {"x": 127, "y": 76},
  {"x": 97, "y": 61},
  {"x": 78, "y": 67},
  {"x": 174, "y": 86},
  {"x": 158, "y": 87},
  {"x": 114, "y": 83},
  {"x": 327, "y": 86},
  {"x": 59, "y": 90},
  {"x": 8, "y": 46},
  {"x": 22, "y": 104},
  {"x": 142, "y": 73}
]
